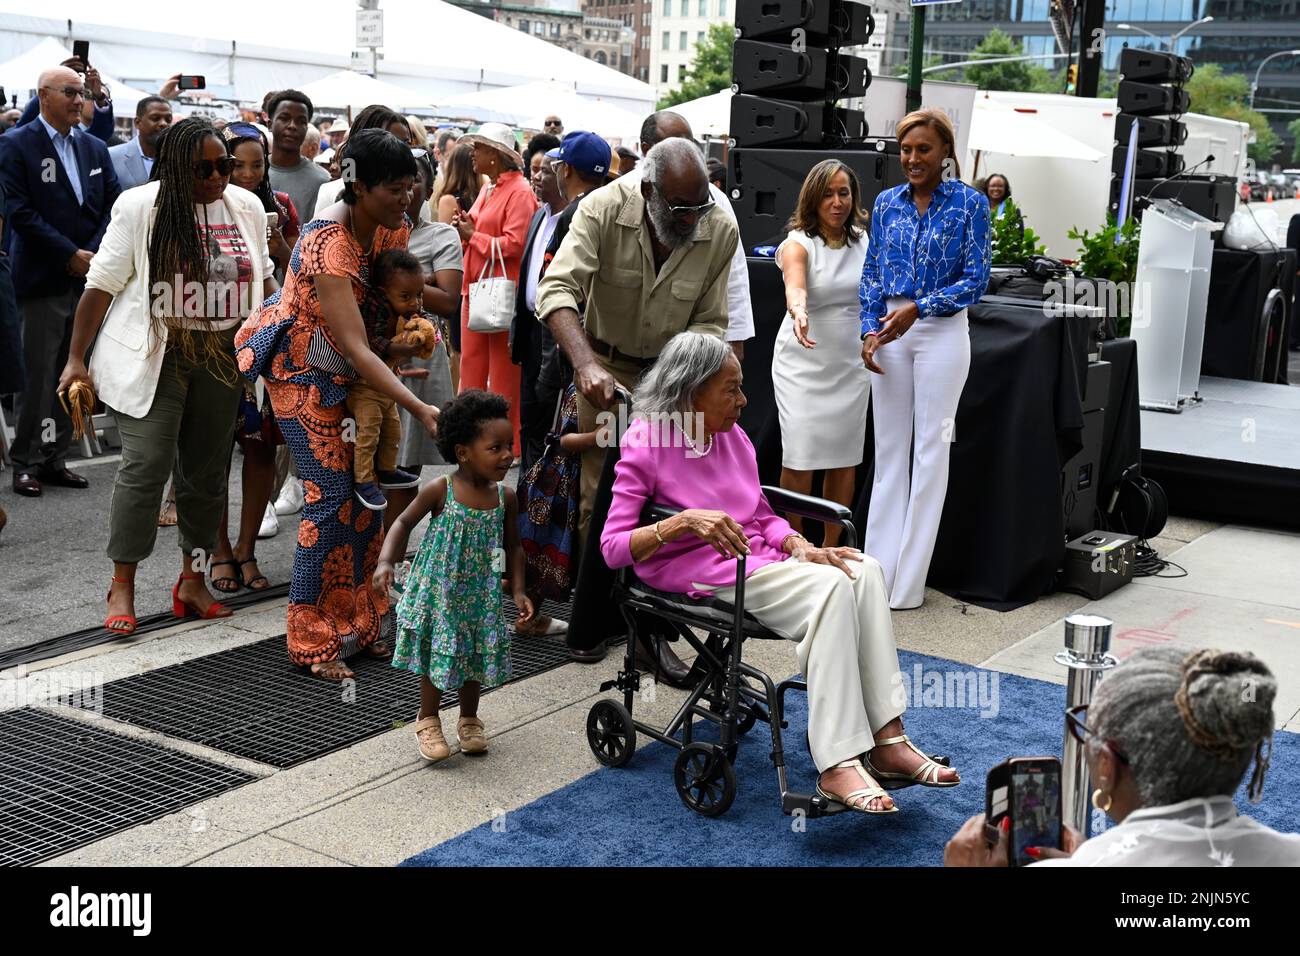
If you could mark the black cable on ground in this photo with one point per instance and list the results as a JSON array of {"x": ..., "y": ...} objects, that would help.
[{"x": 1149, "y": 564}]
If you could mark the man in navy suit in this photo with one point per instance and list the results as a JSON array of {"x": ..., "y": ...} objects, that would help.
[
  {"x": 60, "y": 187},
  {"x": 133, "y": 160}
]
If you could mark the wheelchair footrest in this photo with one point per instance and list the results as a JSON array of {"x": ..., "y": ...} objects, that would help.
[
  {"x": 810, "y": 805},
  {"x": 626, "y": 680}
]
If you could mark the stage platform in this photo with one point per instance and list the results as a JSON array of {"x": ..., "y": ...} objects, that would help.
[{"x": 1233, "y": 457}]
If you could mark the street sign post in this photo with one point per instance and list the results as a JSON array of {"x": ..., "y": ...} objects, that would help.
[{"x": 370, "y": 29}]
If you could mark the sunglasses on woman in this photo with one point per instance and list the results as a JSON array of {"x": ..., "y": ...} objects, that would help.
[
  {"x": 1080, "y": 731},
  {"x": 204, "y": 168}
]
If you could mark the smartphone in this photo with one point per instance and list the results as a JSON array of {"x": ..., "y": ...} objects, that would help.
[
  {"x": 188, "y": 82},
  {"x": 272, "y": 220},
  {"x": 1028, "y": 790},
  {"x": 81, "y": 51}
]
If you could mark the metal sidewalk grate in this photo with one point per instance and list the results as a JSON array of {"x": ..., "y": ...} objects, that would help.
[
  {"x": 252, "y": 702},
  {"x": 64, "y": 784}
]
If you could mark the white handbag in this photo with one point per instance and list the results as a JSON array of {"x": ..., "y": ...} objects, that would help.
[{"x": 492, "y": 298}]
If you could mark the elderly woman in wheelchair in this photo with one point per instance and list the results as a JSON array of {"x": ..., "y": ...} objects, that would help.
[{"x": 684, "y": 453}]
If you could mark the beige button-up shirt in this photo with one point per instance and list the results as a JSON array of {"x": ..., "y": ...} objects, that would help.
[{"x": 605, "y": 270}]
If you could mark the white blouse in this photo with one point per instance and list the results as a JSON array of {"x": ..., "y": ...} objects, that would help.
[{"x": 1199, "y": 832}]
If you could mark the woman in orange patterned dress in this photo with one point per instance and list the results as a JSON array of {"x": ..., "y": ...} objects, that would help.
[{"x": 309, "y": 343}]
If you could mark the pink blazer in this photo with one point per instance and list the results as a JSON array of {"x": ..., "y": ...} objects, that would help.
[{"x": 726, "y": 479}]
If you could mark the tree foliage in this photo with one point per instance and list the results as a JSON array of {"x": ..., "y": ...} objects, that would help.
[
  {"x": 710, "y": 70},
  {"x": 1227, "y": 95},
  {"x": 1023, "y": 77}
]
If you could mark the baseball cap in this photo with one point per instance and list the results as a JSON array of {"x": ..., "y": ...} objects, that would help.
[{"x": 585, "y": 152}]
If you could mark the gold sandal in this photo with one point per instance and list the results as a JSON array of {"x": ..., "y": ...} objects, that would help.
[
  {"x": 927, "y": 775},
  {"x": 851, "y": 799}
]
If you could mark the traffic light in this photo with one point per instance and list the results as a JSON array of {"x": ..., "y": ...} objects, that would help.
[
  {"x": 1151, "y": 97},
  {"x": 1072, "y": 76}
]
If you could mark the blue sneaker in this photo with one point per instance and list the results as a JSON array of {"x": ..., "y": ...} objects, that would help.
[
  {"x": 369, "y": 495},
  {"x": 398, "y": 478}
]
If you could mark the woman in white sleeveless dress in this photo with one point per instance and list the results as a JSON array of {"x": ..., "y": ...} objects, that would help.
[{"x": 820, "y": 383}]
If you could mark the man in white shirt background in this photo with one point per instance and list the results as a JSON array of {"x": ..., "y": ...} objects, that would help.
[{"x": 740, "y": 326}]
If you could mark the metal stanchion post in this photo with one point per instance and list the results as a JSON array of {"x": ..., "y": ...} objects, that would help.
[{"x": 1086, "y": 654}]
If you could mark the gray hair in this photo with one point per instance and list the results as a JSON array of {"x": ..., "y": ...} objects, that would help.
[
  {"x": 669, "y": 153},
  {"x": 688, "y": 361},
  {"x": 1189, "y": 723}
]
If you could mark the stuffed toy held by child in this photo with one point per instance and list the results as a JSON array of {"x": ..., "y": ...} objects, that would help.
[{"x": 420, "y": 332}]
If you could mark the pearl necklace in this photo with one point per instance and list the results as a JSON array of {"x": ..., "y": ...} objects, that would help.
[{"x": 708, "y": 445}]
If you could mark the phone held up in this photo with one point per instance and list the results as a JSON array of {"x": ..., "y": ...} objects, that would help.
[
  {"x": 189, "y": 82},
  {"x": 1028, "y": 790},
  {"x": 81, "y": 51}
]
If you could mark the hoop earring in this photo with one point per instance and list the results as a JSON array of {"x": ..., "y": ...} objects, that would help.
[{"x": 1096, "y": 801}]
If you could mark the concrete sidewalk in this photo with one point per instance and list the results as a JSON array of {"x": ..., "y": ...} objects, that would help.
[{"x": 378, "y": 803}]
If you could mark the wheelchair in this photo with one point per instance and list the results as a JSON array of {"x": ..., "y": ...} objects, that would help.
[{"x": 726, "y": 691}]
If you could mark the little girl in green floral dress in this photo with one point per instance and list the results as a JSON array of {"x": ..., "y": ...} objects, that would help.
[{"x": 450, "y": 626}]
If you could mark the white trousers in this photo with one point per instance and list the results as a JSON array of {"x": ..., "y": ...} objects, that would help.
[
  {"x": 846, "y": 648},
  {"x": 915, "y": 409}
]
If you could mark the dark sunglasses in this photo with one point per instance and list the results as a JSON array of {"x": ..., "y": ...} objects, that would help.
[
  {"x": 204, "y": 168},
  {"x": 1080, "y": 731},
  {"x": 686, "y": 212}
]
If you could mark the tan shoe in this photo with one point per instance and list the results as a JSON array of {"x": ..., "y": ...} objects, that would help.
[
  {"x": 433, "y": 746},
  {"x": 472, "y": 738}
]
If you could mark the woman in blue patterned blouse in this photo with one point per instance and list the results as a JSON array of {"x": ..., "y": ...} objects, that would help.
[{"x": 927, "y": 260}]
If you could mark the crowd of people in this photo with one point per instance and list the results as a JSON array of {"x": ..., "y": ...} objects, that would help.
[{"x": 350, "y": 305}]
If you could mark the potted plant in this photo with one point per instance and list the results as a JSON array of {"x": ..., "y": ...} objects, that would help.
[
  {"x": 1111, "y": 255},
  {"x": 1011, "y": 241}
]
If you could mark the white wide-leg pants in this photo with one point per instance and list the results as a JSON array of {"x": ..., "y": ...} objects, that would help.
[
  {"x": 915, "y": 409},
  {"x": 845, "y": 648}
]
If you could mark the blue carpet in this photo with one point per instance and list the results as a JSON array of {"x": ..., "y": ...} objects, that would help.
[{"x": 632, "y": 816}]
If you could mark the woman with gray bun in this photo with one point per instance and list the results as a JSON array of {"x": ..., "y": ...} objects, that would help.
[{"x": 1168, "y": 739}]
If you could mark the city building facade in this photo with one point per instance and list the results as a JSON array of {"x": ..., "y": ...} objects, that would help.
[
  {"x": 620, "y": 30},
  {"x": 1241, "y": 35},
  {"x": 676, "y": 26},
  {"x": 557, "y": 25}
]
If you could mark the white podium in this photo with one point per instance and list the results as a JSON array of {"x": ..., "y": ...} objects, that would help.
[{"x": 1168, "y": 304}]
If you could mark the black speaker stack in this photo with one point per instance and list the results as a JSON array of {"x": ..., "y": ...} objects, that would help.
[
  {"x": 790, "y": 70},
  {"x": 1151, "y": 98}
]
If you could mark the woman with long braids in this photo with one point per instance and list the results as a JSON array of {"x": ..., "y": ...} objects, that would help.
[
  {"x": 183, "y": 261},
  {"x": 310, "y": 344}
]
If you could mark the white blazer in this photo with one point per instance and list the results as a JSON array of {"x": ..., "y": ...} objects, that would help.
[{"x": 127, "y": 356}]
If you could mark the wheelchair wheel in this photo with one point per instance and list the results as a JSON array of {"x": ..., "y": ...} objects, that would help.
[
  {"x": 704, "y": 778},
  {"x": 610, "y": 733}
]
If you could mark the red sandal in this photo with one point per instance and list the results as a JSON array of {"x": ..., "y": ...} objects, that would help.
[
  {"x": 184, "y": 609},
  {"x": 112, "y": 619}
]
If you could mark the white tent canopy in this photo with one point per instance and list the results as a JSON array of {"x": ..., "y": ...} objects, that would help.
[
  {"x": 528, "y": 105},
  {"x": 709, "y": 115},
  {"x": 349, "y": 90},
  {"x": 432, "y": 48},
  {"x": 1017, "y": 131},
  {"x": 21, "y": 74}
]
